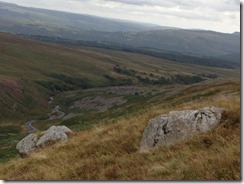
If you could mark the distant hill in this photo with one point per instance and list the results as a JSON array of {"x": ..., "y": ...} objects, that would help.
[
  {"x": 40, "y": 21},
  {"x": 35, "y": 22},
  {"x": 202, "y": 43}
]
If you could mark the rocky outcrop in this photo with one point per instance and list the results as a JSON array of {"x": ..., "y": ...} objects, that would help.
[
  {"x": 27, "y": 145},
  {"x": 178, "y": 125},
  {"x": 31, "y": 142},
  {"x": 52, "y": 135}
]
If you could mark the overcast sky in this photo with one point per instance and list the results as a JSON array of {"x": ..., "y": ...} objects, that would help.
[{"x": 217, "y": 15}]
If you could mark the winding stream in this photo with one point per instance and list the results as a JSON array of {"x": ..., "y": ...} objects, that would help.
[{"x": 56, "y": 113}]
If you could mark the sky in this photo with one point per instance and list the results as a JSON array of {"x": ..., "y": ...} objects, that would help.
[{"x": 217, "y": 15}]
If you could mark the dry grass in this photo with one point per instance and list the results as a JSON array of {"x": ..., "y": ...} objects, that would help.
[{"x": 110, "y": 152}]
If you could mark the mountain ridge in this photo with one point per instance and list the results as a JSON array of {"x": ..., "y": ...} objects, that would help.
[
  {"x": 41, "y": 22},
  {"x": 123, "y": 25}
]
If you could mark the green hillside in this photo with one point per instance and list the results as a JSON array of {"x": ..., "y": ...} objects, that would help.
[
  {"x": 31, "y": 71},
  {"x": 117, "y": 83}
]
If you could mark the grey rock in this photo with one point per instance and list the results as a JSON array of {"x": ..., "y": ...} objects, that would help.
[
  {"x": 52, "y": 135},
  {"x": 176, "y": 126},
  {"x": 27, "y": 145},
  {"x": 31, "y": 142}
]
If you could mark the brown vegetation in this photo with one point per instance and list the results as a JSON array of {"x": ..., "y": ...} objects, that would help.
[{"x": 110, "y": 152}]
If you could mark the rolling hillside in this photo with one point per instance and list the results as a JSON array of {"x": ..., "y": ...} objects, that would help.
[
  {"x": 90, "y": 85},
  {"x": 60, "y": 25},
  {"x": 34, "y": 70}
]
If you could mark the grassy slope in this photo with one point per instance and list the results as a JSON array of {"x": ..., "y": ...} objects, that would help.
[
  {"x": 110, "y": 152},
  {"x": 23, "y": 62},
  {"x": 33, "y": 60}
]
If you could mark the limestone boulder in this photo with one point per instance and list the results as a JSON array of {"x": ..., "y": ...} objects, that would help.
[
  {"x": 53, "y": 135},
  {"x": 31, "y": 142},
  {"x": 27, "y": 145},
  {"x": 176, "y": 126}
]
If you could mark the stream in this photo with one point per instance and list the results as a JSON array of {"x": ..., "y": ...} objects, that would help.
[{"x": 56, "y": 113}]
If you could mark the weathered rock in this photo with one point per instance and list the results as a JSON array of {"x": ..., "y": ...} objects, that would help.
[
  {"x": 52, "y": 135},
  {"x": 27, "y": 145},
  {"x": 177, "y": 125},
  {"x": 31, "y": 142}
]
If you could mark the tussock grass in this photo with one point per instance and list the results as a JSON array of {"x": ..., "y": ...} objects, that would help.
[{"x": 110, "y": 152}]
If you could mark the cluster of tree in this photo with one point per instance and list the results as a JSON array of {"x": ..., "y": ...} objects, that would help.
[
  {"x": 210, "y": 76},
  {"x": 186, "y": 79},
  {"x": 124, "y": 71},
  {"x": 177, "y": 79},
  {"x": 118, "y": 81},
  {"x": 75, "y": 82},
  {"x": 62, "y": 83}
]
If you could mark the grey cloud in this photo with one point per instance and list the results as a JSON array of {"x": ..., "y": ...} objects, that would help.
[
  {"x": 165, "y": 3},
  {"x": 224, "y": 5},
  {"x": 131, "y": 2},
  {"x": 236, "y": 2}
]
